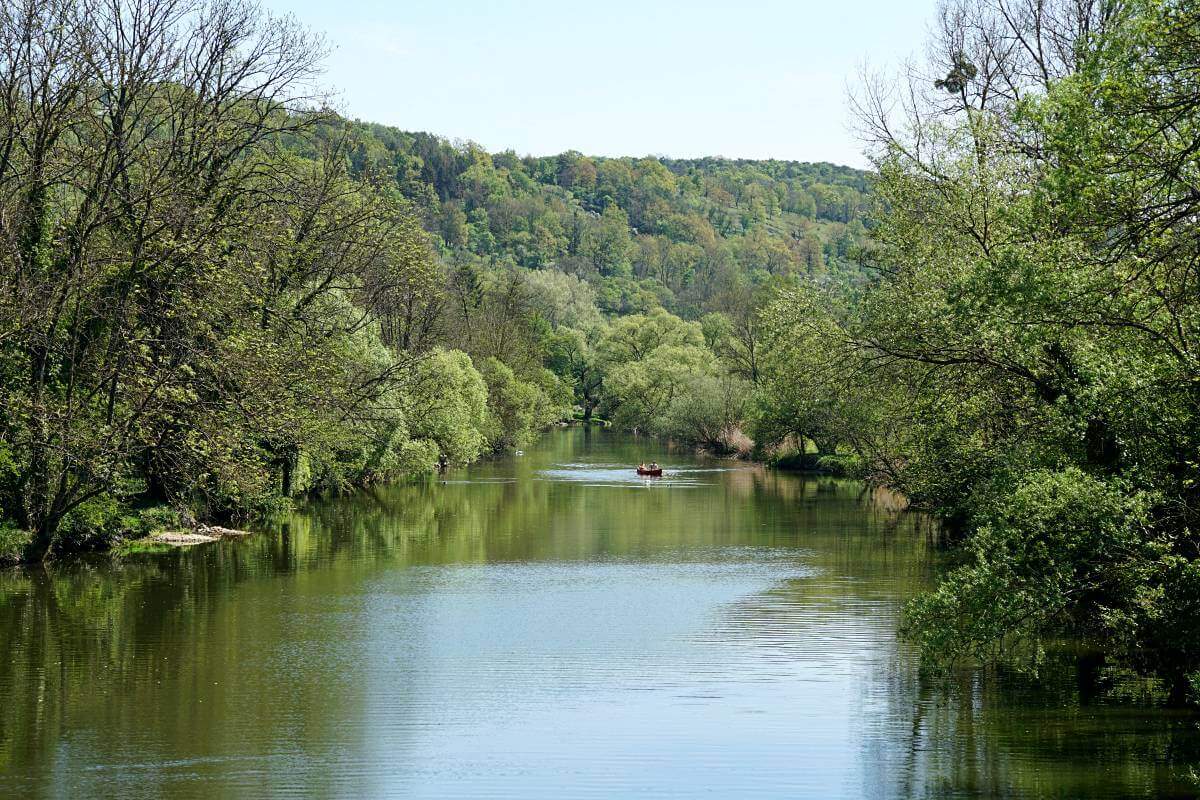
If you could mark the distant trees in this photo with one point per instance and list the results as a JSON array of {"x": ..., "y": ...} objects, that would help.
[
  {"x": 633, "y": 228},
  {"x": 606, "y": 244},
  {"x": 218, "y": 295},
  {"x": 562, "y": 299},
  {"x": 571, "y": 354}
]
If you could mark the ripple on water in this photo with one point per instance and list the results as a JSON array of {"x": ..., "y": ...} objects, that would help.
[{"x": 602, "y": 474}]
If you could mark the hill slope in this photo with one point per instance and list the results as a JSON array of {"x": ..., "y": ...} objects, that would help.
[{"x": 642, "y": 231}]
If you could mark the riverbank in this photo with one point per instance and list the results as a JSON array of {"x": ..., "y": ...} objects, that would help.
[{"x": 153, "y": 528}]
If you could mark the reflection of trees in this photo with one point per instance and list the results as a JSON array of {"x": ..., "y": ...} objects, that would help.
[
  {"x": 148, "y": 654},
  {"x": 156, "y": 654},
  {"x": 94, "y": 643},
  {"x": 1005, "y": 733},
  {"x": 970, "y": 734},
  {"x": 65, "y": 626}
]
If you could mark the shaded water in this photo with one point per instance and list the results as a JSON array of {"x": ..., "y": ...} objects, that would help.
[{"x": 542, "y": 626}]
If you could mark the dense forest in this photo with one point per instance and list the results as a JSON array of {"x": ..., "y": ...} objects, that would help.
[
  {"x": 643, "y": 232},
  {"x": 219, "y": 296}
]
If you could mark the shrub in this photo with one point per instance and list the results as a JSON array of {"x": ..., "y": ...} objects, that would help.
[
  {"x": 14, "y": 542},
  {"x": 158, "y": 518},
  {"x": 92, "y": 525},
  {"x": 1061, "y": 546}
]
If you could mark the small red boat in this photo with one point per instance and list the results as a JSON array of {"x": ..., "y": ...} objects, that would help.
[{"x": 654, "y": 473}]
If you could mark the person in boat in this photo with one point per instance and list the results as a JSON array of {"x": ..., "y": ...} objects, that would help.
[
  {"x": 653, "y": 465},
  {"x": 642, "y": 466}
]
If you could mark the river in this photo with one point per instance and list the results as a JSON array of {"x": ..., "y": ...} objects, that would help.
[{"x": 545, "y": 625}]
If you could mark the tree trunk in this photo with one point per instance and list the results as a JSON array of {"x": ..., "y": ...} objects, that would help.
[{"x": 1180, "y": 690}]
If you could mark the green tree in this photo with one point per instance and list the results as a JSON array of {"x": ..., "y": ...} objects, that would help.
[
  {"x": 607, "y": 244},
  {"x": 131, "y": 180},
  {"x": 643, "y": 390},
  {"x": 572, "y": 355},
  {"x": 1036, "y": 326},
  {"x": 446, "y": 405}
]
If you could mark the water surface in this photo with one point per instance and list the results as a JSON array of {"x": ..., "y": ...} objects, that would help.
[{"x": 543, "y": 626}]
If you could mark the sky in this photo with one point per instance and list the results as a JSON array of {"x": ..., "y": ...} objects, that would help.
[{"x": 740, "y": 78}]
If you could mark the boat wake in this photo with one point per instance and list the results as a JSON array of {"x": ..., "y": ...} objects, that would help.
[{"x": 619, "y": 475}]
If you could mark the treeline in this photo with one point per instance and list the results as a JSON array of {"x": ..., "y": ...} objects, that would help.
[
  {"x": 643, "y": 232},
  {"x": 197, "y": 321},
  {"x": 1027, "y": 366}
]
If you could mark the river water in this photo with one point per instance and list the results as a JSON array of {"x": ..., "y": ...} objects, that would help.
[{"x": 544, "y": 626}]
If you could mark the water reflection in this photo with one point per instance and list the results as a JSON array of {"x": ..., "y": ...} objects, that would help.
[{"x": 544, "y": 626}]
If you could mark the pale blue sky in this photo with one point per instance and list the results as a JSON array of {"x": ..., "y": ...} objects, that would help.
[{"x": 750, "y": 79}]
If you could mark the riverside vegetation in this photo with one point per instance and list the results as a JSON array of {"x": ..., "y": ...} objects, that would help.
[
  {"x": 220, "y": 296},
  {"x": 1027, "y": 365}
]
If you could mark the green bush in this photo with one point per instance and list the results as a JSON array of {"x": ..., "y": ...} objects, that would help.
[
  {"x": 1062, "y": 549},
  {"x": 92, "y": 525},
  {"x": 158, "y": 518},
  {"x": 846, "y": 465},
  {"x": 14, "y": 542}
]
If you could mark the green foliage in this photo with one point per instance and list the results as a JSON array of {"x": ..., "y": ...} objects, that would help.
[
  {"x": 254, "y": 302},
  {"x": 644, "y": 389},
  {"x": 563, "y": 300},
  {"x": 240, "y": 308},
  {"x": 519, "y": 409},
  {"x": 1025, "y": 367},
  {"x": 643, "y": 231},
  {"x": 804, "y": 394},
  {"x": 635, "y": 337},
  {"x": 447, "y": 408},
  {"x": 14, "y": 543},
  {"x": 92, "y": 525},
  {"x": 1061, "y": 548},
  {"x": 657, "y": 374},
  {"x": 709, "y": 411},
  {"x": 158, "y": 518}
]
